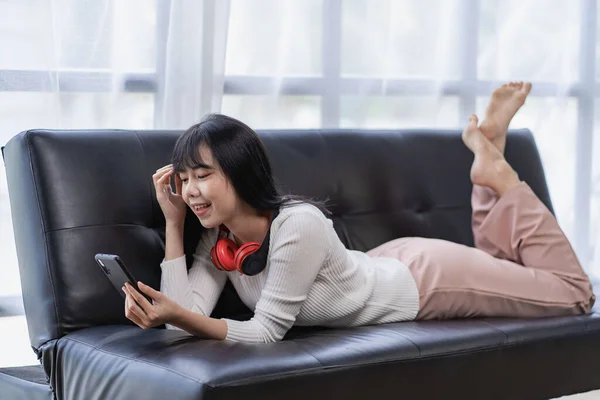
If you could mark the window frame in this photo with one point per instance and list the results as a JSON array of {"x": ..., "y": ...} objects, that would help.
[{"x": 332, "y": 86}]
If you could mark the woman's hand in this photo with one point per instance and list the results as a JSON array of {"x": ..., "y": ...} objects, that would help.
[
  {"x": 171, "y": 204},
  {"x": 147, "y": 315}
]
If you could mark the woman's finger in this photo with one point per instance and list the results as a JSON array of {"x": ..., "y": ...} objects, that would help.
[
  {"x": 141, "y": 300},
  {"x": 165, "y": 178},
  {"x": 160, "y": 172},
  {"x": 135, "y": 320},
  {"x": 135, "y": 307},
  {"x": 165, "y": 167},
  {"x": 130, "y": 314},
  {"x": 163, "y": 190},
  {"x": 151, "y": 292},
  {"x": 159, "y": 175}
]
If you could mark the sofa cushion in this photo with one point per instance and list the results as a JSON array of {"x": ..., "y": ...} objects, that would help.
[
  {"x": 429, "y": 359},
  {"x": 24, "y": 383}
]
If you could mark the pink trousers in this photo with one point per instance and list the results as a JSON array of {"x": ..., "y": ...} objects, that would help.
[{"x": 522, "y": 264}]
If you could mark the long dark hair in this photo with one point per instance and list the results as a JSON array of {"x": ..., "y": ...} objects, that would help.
[{"x": 242, "y": 157}]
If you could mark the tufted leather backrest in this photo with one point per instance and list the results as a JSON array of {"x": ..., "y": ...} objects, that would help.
[{"x": 77, "y": 193}]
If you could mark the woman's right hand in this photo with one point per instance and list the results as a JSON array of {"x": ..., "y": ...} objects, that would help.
[{"x": 171, "y": 204}]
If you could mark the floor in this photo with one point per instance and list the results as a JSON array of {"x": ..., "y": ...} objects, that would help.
[
  {"x": 593, "y": 395},
  {"x": 15, "y": 350}
]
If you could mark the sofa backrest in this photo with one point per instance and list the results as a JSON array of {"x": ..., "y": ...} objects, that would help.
[{"x": 77, "y": 193}]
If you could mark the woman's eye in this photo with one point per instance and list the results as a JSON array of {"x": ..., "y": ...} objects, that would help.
[
  {"x": 183, "y": 180},
  {"x": 202, "y": 176}
]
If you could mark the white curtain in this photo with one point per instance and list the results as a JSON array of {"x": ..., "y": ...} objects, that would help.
[
  {"x": 194, "y": 62},
  {"x": 146, "y": 64},
  {"x": 85, "y": 64}
]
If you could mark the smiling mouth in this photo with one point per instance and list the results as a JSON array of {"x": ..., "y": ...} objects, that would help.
[{"x": 200, "y": 207}]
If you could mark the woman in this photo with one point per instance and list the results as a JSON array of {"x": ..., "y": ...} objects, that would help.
[{"x": 522, "y": 266}]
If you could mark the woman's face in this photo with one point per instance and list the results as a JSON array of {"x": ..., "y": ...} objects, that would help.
[{"x": 208, "y": 192}]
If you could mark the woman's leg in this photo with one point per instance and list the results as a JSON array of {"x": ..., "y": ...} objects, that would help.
[
  {"x": 460, "y": 281},
  {"x": 457, "y": 281},
  {"x": 483, "y": 199},
  {"x": 504, "y": 104}
]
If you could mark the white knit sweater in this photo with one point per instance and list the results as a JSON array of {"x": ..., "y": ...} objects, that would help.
[{"x": 310, "y": 279}]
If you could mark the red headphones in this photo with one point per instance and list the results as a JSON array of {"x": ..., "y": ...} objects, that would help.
[{"x": 249, "y": 258}]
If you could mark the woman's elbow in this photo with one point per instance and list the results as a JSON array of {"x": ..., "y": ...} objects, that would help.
[
  {"x": 272, "y": 336},
  {"x": 261, "y": 336}
]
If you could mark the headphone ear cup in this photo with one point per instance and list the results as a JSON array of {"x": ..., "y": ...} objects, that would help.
[
  {"x": 244, "y": 251},
  {"x": 223, "y": 254}
]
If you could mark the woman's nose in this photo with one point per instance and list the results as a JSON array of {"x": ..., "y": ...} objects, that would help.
[{"x": 192, "y": 191}]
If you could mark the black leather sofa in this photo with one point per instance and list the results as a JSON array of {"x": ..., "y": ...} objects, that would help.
[{"x": 76, "y": 193}]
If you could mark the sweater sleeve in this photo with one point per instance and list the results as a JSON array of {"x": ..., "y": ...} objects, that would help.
[
  {"x": 198, "y": 290},
  {"x": 299, "y": 250}
]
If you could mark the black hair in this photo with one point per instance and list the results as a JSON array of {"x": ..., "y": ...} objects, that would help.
[{"x": 241, "y": 156}]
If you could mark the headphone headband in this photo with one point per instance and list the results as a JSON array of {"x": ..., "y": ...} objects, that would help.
[{"x": 257, "y": 261}]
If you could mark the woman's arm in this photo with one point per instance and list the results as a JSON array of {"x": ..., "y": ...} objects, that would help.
[
  {"x": 163, "y": 310},
  {"x": 174, "y": 240},
  {"x": 199, "y": 290},
  {"x": 173, "y": 207},
  {"x": 200, "y": 325}
]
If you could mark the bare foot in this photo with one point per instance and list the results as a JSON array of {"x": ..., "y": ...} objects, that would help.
[
  {"x": 504, "y": 104},
  {"x": 489, "y": 167}
]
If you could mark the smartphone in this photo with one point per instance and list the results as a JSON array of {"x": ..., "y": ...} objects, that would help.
[{"x": 116, "y": 271}]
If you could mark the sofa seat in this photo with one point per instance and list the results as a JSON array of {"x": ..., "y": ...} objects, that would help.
[
  {"x": 432, "y": 359},
  {"x": 24, "y": 383}
]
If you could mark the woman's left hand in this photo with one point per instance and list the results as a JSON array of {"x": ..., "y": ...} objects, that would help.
[{"x": 147, "y": 315}]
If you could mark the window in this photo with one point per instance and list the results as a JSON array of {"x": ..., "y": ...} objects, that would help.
[
  {"x": 324, "y": 63},
  {"x": 59, "y": 64},
  {"x": 397, "y": 64}
]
